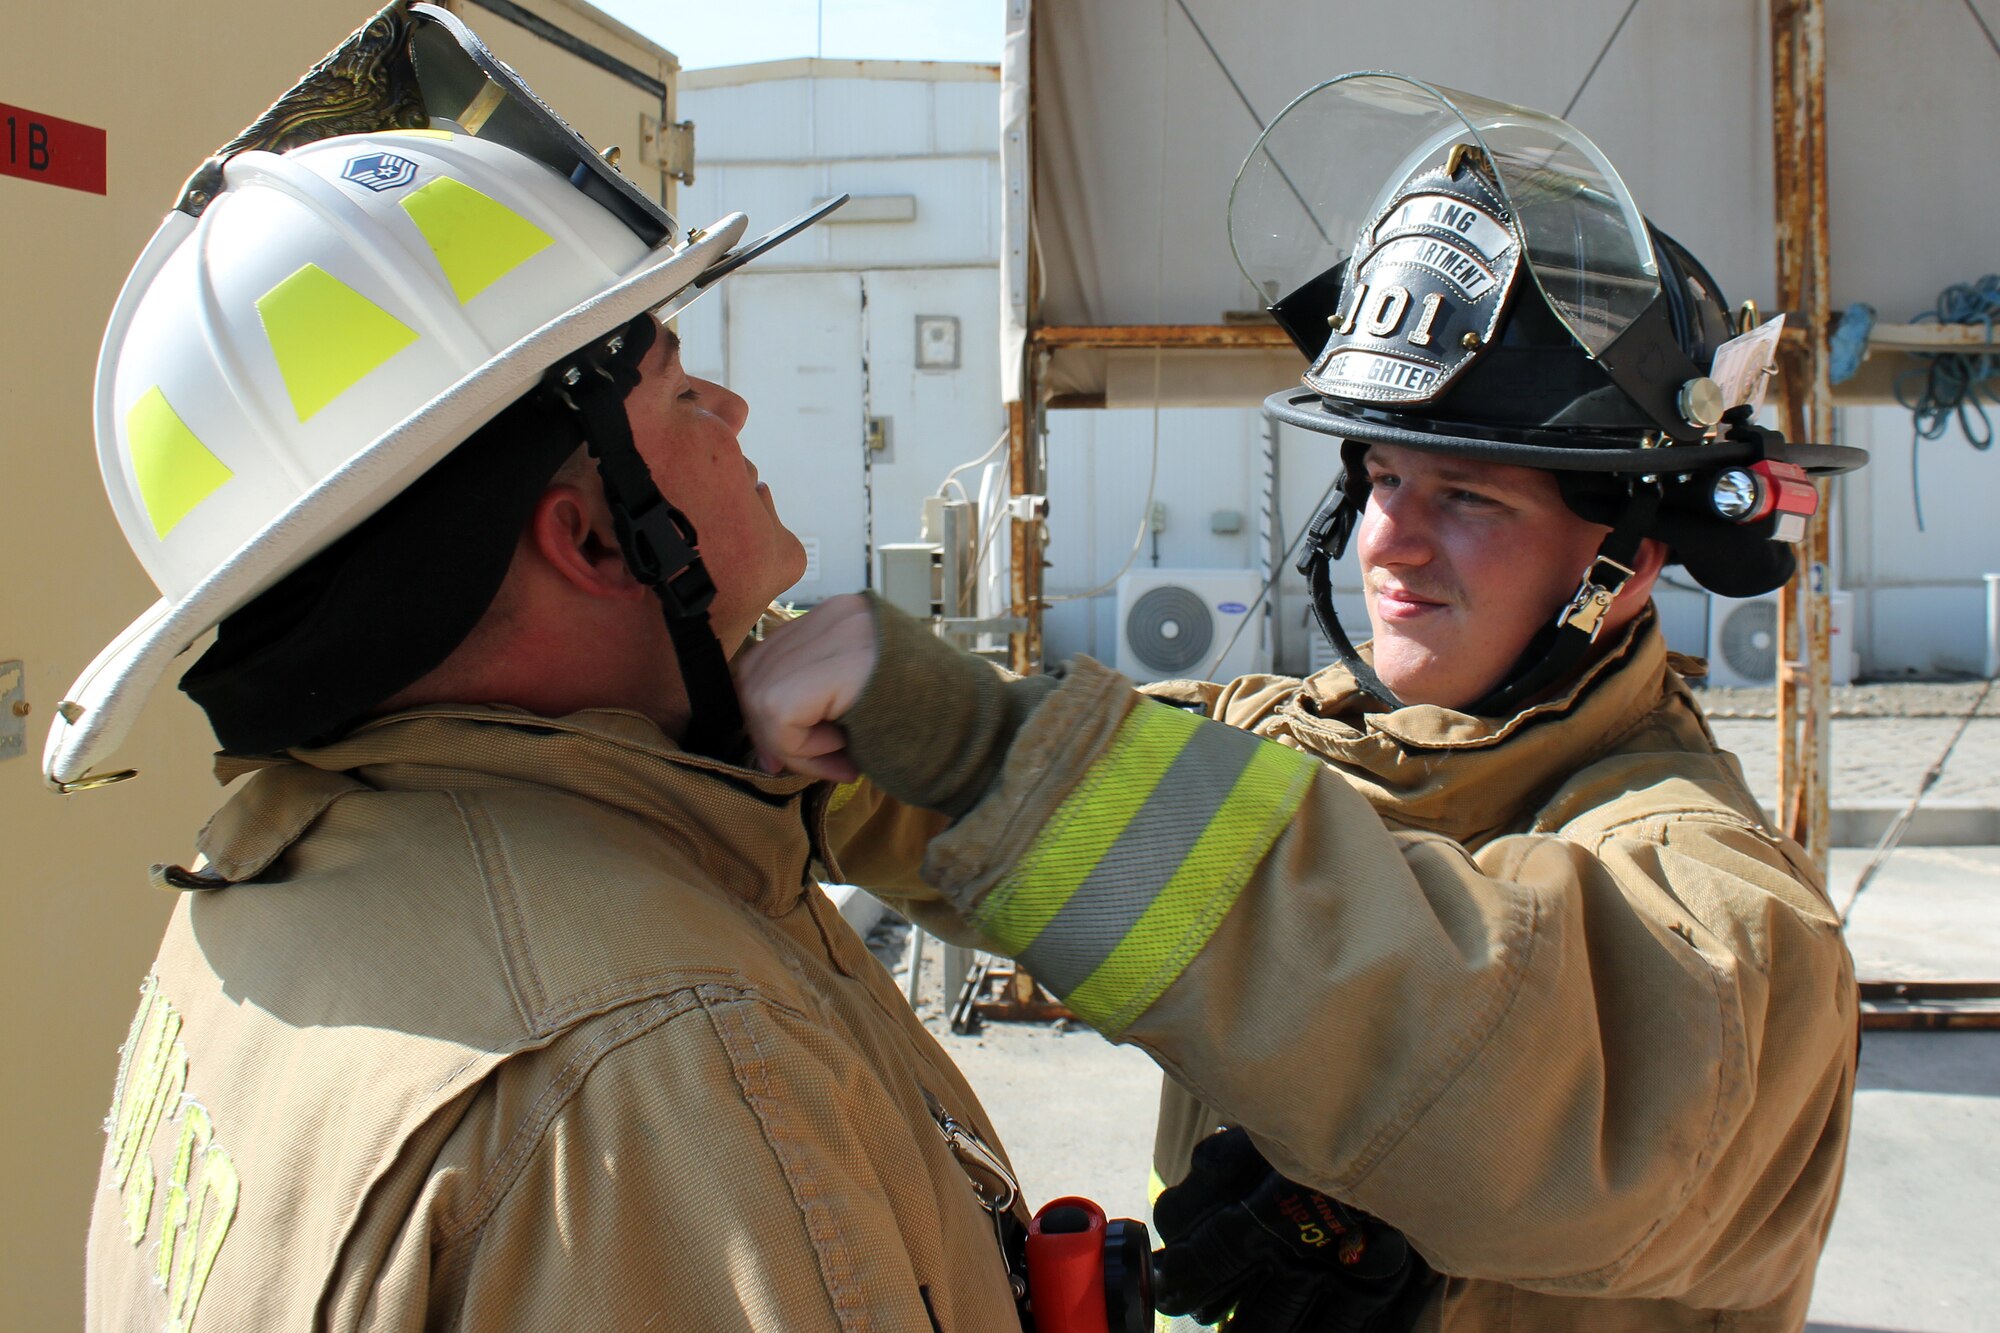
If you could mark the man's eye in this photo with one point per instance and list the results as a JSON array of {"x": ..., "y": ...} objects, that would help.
[
  {"x": 1474, "y": 499},
  {"x": 1388, "y": 479}
]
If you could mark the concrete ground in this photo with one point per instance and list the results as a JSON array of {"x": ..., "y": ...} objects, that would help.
[
  {"x": 1912, "y": 1248},
  {"x": 1883, "y": 740}
]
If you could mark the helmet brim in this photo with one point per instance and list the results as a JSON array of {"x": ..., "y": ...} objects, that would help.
[
  {"x": 102, "y": 704},
  {"x": 1307, "y": 410}
]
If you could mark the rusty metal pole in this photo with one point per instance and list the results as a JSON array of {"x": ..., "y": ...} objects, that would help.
[
  {"x": 1798, "y": 118},
  {"x": 1025, "y": 540},
  {"x": 1024, "y": 537}
]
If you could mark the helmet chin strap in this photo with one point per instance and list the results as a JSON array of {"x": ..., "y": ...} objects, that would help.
[
  {"x": 657, "y": 540},
  {"x": 1553, "y": 653}
]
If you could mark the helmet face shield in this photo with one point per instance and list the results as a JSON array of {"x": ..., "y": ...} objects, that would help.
[
  {"x": 1405, "y": 216},
  {"x": 1305, "y": 200}
]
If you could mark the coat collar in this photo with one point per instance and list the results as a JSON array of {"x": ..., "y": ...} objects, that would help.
[
  {"x": 751, "y": 832},
  {"x": 1473, "y": 778}
]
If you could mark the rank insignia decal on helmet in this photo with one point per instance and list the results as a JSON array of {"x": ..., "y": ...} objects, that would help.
[
  {"x": 1432, "y": 272},
  {"x": 379, "y": 171}
]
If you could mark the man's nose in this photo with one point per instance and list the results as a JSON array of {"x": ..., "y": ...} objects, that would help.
[
  {"x": 1395, "y": 530},
  {"x": 728, "y": 404}
]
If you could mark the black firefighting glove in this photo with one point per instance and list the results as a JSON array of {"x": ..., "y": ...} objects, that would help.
[{"x": 1241, "y": 1242}]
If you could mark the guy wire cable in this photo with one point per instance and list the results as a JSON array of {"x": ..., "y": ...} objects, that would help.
[
  {"x": 1271, "y": 582},
  {"x": 1602, "y": 52},
  {"x": 1894, "y": 834}
]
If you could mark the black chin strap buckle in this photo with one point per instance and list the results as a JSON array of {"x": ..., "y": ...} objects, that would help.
[
  {"x": 1327, "y": 534},
  {"x": 662, "y": 550},
  {"x": 1586, "y": 610},
  {"x": 656, "y": 539}
]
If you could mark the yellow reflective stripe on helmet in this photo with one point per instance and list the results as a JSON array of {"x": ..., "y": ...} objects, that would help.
[
  {"x": 326, "y": 336},
  {"x": 174, "y": 469},
  {"x": 477, "y": 240},
  {"x": 1086, "y": 825},
  {"x": 1186, "y": 911}
]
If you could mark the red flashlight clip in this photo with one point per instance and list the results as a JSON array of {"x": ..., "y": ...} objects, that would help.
[{"x": 1784, "y": 488}]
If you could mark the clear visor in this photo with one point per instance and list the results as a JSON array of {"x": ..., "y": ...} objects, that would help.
[{"x": 1336, "y": 156}]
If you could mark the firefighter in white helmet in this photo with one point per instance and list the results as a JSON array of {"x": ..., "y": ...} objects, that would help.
[
  {"x": 501, "y": 995},
  {"x": 1517, "y": 1010}
]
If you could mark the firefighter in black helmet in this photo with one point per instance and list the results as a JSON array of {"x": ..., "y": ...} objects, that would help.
[
  {"x": 1502, "y": 299},
  {"x": 1518, "y": 1012}
]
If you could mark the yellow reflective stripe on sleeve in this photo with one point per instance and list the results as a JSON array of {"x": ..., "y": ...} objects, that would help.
[
  {"x": 477, "y": 239},
  {"x": 1087, "y": 824},
  {"x": 1186, "y": 911},
  {"x": 1155, "y": 1187},
  {"x": 326, "y": 336},
  {"x": 174, "y": 469}
]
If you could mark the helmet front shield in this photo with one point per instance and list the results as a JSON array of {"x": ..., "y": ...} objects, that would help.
[{"x": 410, "y": 66}]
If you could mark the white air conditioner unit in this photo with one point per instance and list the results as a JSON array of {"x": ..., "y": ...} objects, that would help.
[
  {"x": 1743, "y": 640},
  {"x": 1175, "y": 624}
]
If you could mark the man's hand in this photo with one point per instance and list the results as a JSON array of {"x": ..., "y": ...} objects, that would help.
[{"x": 804, "y": 676}]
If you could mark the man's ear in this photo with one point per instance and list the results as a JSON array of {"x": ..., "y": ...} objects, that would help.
[
  {"x": 571, "y": 531},
  {"x": 1646, "y": 567}
]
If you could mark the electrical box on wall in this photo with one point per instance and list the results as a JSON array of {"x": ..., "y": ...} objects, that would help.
[{"x": 937, "y": 342}]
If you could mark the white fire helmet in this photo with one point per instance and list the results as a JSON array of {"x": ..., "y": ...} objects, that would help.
[{"x": 313, "y": 329}]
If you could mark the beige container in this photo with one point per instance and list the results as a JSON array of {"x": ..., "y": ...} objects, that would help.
[{"x": 79, "y": 925}]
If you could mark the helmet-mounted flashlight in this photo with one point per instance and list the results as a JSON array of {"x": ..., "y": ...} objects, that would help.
[{"x": 1751, "y": 494}]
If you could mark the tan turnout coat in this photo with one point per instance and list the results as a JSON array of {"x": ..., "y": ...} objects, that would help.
[
  {"x": 491, "y": 1022},
  {"x": 1548, "y": 994}
]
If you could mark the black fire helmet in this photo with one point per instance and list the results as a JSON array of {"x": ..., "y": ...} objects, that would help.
[{"x": 1473, "y": 278}]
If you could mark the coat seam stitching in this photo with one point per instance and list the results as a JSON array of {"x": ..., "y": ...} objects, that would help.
[
  {"x": 836, "y": 1261},
  {"x": 500, "y": 908}
]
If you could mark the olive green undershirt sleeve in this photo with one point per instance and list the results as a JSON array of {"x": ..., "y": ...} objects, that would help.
[{"x": 933, "y": 724}]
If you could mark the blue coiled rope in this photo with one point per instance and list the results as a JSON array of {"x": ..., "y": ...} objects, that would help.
[{"x": 1953, "y": 386}]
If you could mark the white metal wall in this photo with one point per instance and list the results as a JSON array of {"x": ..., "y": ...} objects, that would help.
[
  {"x": 822, "y": 337},
  {"x": 1920, "y": 600},
  {"x": 794, "y": 341},
  {"x": 1211, "y": 461}
]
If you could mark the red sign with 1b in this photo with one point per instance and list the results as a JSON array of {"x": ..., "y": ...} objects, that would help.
[{"x": 51, "y": 150}]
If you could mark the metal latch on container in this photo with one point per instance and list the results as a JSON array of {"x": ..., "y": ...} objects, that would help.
[
  {"x": 13, "y": 710},
  {"x": 668, "y": 145}
]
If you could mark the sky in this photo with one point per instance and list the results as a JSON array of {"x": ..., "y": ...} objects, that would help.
[{"x": 734, "y": 32}]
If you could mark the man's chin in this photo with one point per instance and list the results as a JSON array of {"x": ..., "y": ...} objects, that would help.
[
  {"x": 1415, "y": 672},
  {"x": 793, "y": 560}
]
